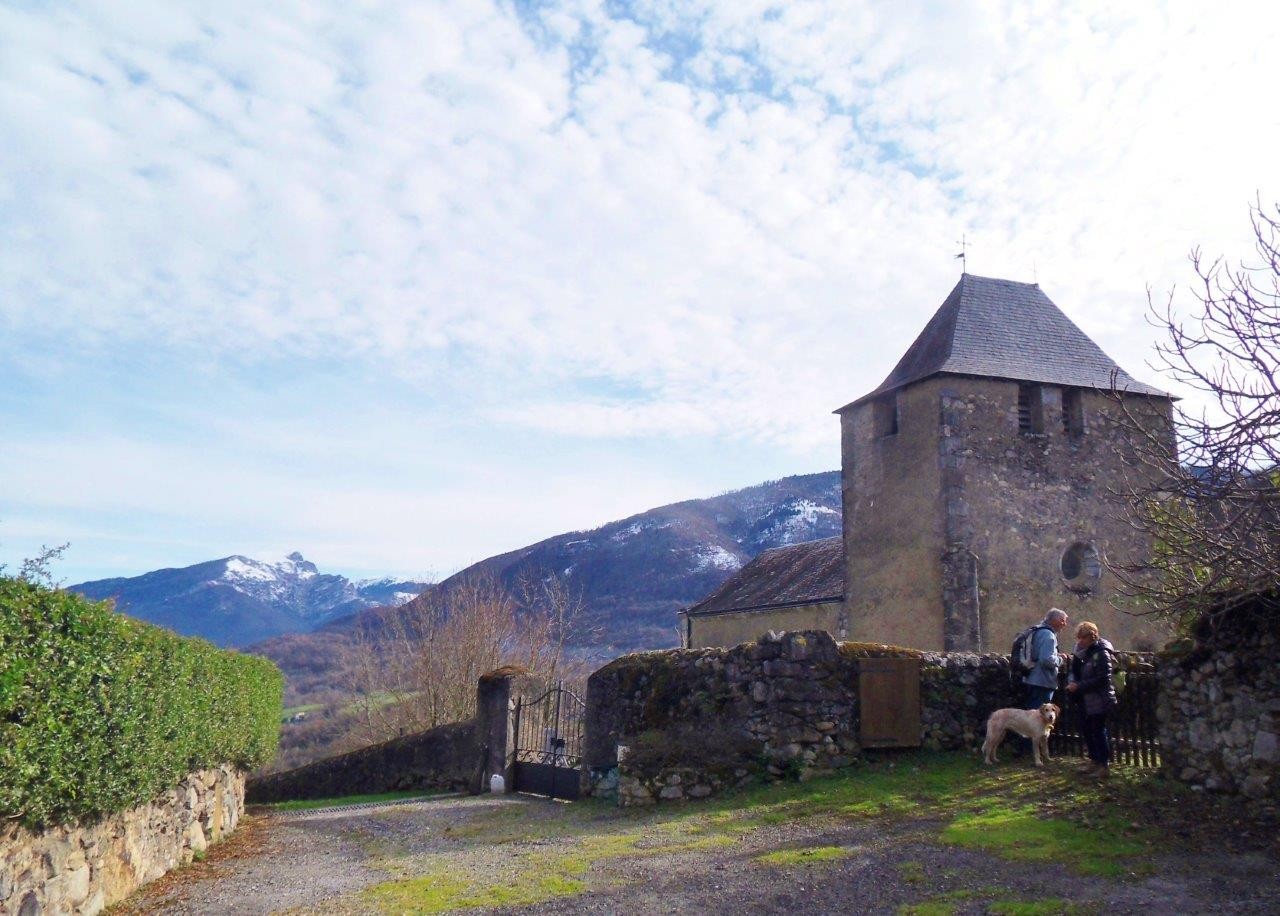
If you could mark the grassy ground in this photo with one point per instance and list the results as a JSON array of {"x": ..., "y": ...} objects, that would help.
[
  {"x": 1020, "y": 814},
  {"x": 910, "y": 834}
]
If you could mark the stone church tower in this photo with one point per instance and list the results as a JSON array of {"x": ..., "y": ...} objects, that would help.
[{"x": 977, "y": 479}]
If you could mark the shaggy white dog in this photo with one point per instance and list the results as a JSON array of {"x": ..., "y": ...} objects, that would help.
[{"x": 1035, "y": 724}]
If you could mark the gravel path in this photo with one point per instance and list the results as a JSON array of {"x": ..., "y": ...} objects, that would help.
[
  {"x": 289, "y": 861},
  {"x": 643, "y": 863}
]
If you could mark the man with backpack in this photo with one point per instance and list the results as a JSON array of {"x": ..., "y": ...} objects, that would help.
[{"x": 1035, "y": 655}]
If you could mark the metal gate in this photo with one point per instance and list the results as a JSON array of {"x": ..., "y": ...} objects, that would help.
[
  {"x": 1131, "y": 726},
  {"x": 548, "y": 757}
]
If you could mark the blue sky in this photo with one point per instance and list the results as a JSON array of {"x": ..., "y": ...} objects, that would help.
[{"x": 403, "y": 285}]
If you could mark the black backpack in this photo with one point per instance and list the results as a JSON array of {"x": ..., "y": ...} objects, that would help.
[{"x": 1020, "y": 660}]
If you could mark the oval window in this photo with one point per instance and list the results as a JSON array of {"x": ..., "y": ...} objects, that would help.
[{"x": 1081, "y": 567}]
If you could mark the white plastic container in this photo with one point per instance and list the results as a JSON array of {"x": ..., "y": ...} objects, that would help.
[{"x": 497, "y": 784}]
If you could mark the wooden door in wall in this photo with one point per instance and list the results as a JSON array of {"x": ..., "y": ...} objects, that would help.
[{"x": 889, "y": 702}]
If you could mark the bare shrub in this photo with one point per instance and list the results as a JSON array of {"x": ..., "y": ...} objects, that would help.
[{"x": 417, "y": 666}]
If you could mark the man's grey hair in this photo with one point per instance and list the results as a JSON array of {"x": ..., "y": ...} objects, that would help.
[{"x": 1055, "y": 614}]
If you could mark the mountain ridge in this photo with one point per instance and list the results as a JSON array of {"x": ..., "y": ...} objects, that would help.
[
  {"x": 236, "y": 601},
  {"x": 633, "y": 574}
]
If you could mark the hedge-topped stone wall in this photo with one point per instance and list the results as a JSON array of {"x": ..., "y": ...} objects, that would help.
[
  {"x": 794, "y": 695},
  {"x": 83, "y": 869},
  {"x": 100, "y": 713},
  {"x": 122, "y": 748}
]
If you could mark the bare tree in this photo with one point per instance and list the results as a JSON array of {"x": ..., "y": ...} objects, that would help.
[
  {"x": 553, "y": 614},
  {"x": 417, "y": 666},
  {"x": 1212, "y": 505}
]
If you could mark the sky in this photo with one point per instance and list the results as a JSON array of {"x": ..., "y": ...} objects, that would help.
[{"x": 404, "y": 285}]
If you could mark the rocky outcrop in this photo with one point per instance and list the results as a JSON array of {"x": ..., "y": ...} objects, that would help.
[{"x": 84, "y": 869}]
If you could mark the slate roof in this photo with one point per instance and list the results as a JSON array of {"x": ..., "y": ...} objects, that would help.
[
  {"x": 798, "y": 574},
  {"x": 1005, "y": 329}
]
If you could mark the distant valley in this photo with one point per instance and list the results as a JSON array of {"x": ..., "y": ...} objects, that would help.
[{"x": 632, "y": 575}]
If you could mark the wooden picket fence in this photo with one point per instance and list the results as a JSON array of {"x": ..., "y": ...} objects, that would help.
[{"x": 1131, "y": 726}]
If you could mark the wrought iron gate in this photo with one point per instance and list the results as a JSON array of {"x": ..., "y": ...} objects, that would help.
[
  {"x": 548, "y": 757},
  {"x": 1131, "y": 726}
]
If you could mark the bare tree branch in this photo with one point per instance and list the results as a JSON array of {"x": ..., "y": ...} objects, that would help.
[
  {"x": 1210, "y": 498},
  {"x": 416, "y": 667}
]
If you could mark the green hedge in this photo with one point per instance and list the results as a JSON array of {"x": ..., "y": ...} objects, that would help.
[{"x": 99, "y": 712}]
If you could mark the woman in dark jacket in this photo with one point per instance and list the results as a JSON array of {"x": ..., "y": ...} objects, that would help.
[{"x": 1091, "y": 681}]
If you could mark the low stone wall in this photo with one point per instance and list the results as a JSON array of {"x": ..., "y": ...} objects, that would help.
[
  {"x": 447, "y": 757},
  {"x": 958, "y": 692},
  {"x": 638, "y": 789},
  {"x": 795, "y": 694},
  {"x": 1219, "y": 714},
  {"x": 84, "y": 869}
]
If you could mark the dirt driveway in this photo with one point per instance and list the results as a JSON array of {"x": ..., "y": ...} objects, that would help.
[{"x": 919, "y": 835}]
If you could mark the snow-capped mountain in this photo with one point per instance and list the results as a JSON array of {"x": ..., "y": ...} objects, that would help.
[
  {"x": 634, "y": 574},
  {"x": 236, "y": 600}
]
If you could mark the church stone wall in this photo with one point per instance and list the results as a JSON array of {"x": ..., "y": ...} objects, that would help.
[
  {"x": 733, "y": 628},
  {"x": 795, "y": 696},
  {"x": 892, "y": 525},
  {"x": 957, "y": 525},
  {"x": 1030, "y": 497}
]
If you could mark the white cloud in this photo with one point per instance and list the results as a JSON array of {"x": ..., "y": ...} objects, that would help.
[{"x": 737, "y": 213}]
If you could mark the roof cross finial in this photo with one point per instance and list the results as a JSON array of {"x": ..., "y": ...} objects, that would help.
[{"x": 964, "y": 264}]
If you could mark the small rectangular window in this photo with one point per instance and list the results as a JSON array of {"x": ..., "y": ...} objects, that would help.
[
  {"x": 885, "y": 412},
  {"x": 1030, "y": 410},
  {"x": 1072, "y": 413}
]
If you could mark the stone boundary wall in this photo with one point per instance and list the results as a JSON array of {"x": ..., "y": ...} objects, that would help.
[
  {"x": 1219, "y": 715},
  {"x": 459, "y": 756},
  {"x": 796, "y": 694},
  {"x": 446, "y": 757},
  {"x": 84, "y": 869},
  {"x": 638, "y": 788}
]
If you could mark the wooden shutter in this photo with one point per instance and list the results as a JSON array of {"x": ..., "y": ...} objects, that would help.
[{"x": 889, "y": 698}]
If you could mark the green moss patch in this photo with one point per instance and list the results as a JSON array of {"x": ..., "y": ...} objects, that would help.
[
  {"x": 946, "y": 904},
  {"x": 1053, "y": 906},
  {"x": 529, "y": 879},
  {"x": 927, "y": 908},
  {"x": 811, "y": 855},
  {"x": 911, "y": 872},
  {"x": 441, "y": 892},
  {"x": 312, "y": 803},
  {"x": 1021, "y": 832}
]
